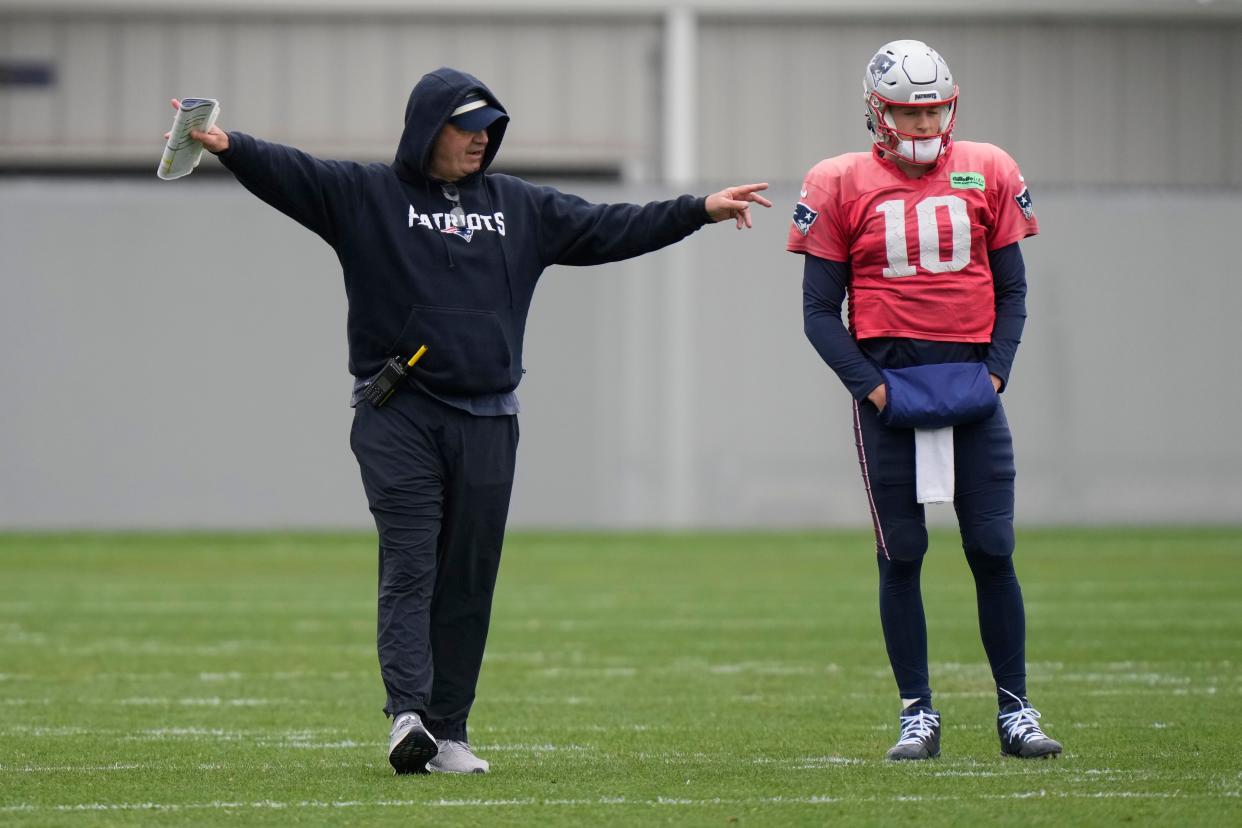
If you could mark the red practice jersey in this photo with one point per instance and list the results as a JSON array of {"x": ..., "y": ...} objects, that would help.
[{"x": 917, "y": 247}]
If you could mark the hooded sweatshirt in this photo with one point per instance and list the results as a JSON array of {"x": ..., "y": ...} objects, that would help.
[{"x": 415, "y": 274}]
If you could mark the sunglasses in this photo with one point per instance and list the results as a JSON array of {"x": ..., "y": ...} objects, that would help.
[{"x": 451, "y": 193}]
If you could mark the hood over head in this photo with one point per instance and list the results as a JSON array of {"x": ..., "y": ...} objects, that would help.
[{"x": 430, "y": 107}]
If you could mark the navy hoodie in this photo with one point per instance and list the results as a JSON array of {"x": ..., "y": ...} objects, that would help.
[{"x": 414, "y": 275}]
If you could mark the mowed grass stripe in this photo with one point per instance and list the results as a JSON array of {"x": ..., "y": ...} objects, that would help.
[{"x": 156, "y": 679}]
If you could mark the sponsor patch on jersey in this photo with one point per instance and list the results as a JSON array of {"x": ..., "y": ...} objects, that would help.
[
  {"x": 803, "y": 218},
  {"x": 1025, "y": 204},
  {"x": 966, "y": 181}
]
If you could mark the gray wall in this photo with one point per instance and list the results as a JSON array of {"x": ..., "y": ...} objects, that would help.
[
  {"x": 585, "y": 90},
  {"x": 172, "y": 354},
  {"x": 1078, "y": 100},
  {"x": 150, "y": 381}
]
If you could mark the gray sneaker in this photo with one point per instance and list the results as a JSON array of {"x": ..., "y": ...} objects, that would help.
[
  {"x": 1017, "y": 724},
  {"x": 920, "y": 735},
  {"x": 410, "y": 746},
  {"x": 457, "y": 757}
]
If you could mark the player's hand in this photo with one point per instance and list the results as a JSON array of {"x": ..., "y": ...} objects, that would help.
[
  {"x": 734, "y": 203},
  {"x": 213, "y": 140},
  {"x": 996, "y": 382},
  {"x": 878, "y": 397}
]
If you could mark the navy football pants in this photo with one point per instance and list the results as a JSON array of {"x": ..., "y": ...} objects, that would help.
[
  {"x": 984, "y": 497},
  {"x": 438, "y": 482}
]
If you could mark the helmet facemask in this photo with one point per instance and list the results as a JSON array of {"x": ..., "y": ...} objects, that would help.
[{"x": 908, "y": 146}]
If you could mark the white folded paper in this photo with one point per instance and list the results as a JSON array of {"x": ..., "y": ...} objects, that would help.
[{"x": 182, "y": 153}]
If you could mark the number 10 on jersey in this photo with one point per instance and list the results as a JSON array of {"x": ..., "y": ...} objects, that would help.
[{"x": 930, "y": 258}]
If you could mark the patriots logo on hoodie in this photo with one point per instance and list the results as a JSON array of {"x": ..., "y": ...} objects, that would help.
[
  {"x": 463, "y": 227},
  {"x": 465, "y": 233}
]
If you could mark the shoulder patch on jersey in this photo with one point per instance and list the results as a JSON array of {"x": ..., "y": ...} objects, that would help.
[
  {"x": 1025, "y": 204},
  {"x": 804, "y": 217},
  {"x": 966, "y": 181}
]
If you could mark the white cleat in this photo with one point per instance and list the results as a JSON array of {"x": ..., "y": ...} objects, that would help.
[
  {"x": 456, "y": 757},
  {"x": 411, "y": 746}
]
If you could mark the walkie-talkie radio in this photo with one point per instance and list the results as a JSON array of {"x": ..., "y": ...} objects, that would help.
[{"x": 395, "y": 370}]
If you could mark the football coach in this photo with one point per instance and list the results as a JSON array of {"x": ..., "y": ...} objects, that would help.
[{"x": 438, "y": 252}]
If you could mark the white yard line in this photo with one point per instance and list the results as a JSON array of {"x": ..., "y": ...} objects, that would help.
[
  {"x": 1151, "y": 678},
  {"x": 1163, "y": 691},
  {"x": 148, "y": 646},
  {"x": 585, "y": 672},
  {"x": 483, "y": 747},
  {"x": 602, "y": 801},
  {"x": 209, "y": 701},
  {"x": 765, "y": 668},
  {"x": 808, "y": 762},
  {"x": 544, "y": 700},
  {"x": 592, "y": 728},
  {"x": 190, "y": 675},
  {"x": 191, "y": 733},
  {"x": 117, "y": 766}
]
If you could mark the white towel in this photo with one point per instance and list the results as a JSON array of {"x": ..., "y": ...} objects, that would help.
[{"x": 933, "y": 465}]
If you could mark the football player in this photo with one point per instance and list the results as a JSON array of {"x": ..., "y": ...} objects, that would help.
[{"x": 921, "y": 234}]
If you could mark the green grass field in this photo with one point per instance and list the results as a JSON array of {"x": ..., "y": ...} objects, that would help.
[{"x": 630, "y": 679}]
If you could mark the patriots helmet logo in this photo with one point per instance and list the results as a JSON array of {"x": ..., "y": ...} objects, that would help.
[
  {"x": 880, "y": 64},
  {"x": 803, "y": 218},
  {"x": 1025, "y": 204}
]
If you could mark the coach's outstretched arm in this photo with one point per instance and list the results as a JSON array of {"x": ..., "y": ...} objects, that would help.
[
  {"x": 320, "y": 195},
  {"x": 577, "y": 232}
]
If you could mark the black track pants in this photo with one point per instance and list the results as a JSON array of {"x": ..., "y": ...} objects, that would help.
[{"x": 438, "y": 482}]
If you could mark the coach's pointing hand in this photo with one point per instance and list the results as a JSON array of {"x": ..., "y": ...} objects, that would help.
[
  {"x": 214, "y": 140},
  {"x": 734, "y": 203}
]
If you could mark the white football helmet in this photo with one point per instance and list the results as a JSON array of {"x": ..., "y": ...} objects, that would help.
[{"x": 909, "y": 73}]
